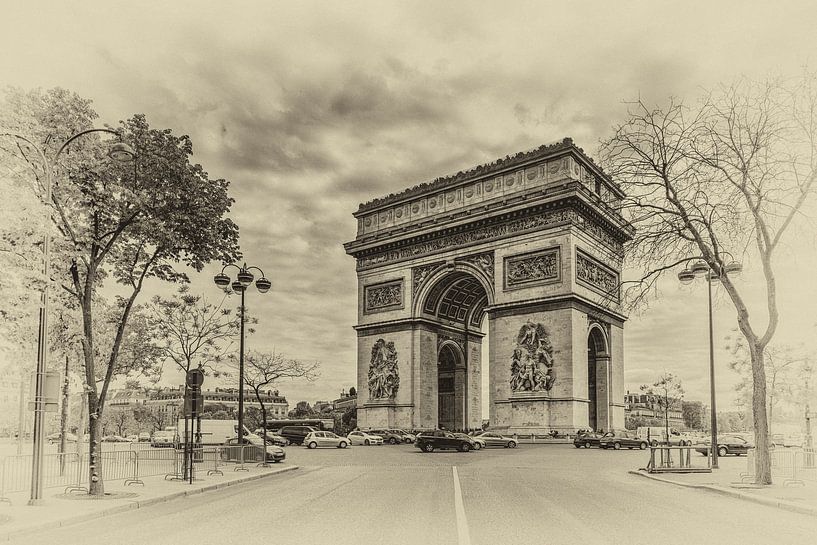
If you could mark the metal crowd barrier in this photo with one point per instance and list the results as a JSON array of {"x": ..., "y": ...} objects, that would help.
[{"x": 662, "y": 460}]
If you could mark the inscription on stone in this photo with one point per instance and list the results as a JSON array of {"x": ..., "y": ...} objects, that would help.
[{"x": 532, "y": 269}]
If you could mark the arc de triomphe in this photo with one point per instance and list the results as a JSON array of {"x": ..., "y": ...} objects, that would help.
[{"x": 533, "y": 244}]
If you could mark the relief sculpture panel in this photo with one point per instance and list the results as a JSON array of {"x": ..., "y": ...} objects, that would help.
[
  {"x": 384, "y": 376},
  {"x": 532, "y": 360},
  {"x": 532, "y": 268}
]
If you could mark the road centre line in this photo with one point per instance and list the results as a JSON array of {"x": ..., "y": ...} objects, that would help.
[{"x": 463, "y": 537}]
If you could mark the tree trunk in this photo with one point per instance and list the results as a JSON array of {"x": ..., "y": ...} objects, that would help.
[
  {"x": 763, "y": 463},
  {"x": 96, "y": 486}
]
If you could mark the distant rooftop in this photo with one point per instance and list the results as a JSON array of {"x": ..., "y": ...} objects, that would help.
[{"x": 488, "y": 168}]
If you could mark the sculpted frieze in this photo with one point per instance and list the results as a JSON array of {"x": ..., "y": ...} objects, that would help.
[
  {"x": 384, "y": 376},
  {"x": 493, "y": 232},
  {"x": 596, "y": 276},
  {"x": 385, "y": 296},
  {"x": 484, "y": 262},
  {"x": 532, "y": 360},
  {"x": 532, "y": 268}
]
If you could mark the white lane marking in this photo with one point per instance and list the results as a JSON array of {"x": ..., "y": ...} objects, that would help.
[{"x": 463, "y": 537}]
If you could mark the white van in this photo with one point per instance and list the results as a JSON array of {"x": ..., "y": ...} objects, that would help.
[{"x": 213, "y": 432}]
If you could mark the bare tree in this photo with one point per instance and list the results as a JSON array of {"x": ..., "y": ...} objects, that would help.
[
  {"x": 263, "y": 369},
  {"x": 727, "y": 177},
  {"x": 668, "y": 394}
]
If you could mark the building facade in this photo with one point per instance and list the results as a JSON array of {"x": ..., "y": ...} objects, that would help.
[
  {"x": 526, "y": 250},
  {"x": 651, "y": 406}
]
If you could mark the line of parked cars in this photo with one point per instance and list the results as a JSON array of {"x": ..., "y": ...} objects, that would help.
[
  {"x": 445, "y": 440},
  {"x": 621, "y": 439}
]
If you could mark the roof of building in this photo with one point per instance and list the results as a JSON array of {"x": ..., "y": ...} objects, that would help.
[{"x": 487, "y": 168}]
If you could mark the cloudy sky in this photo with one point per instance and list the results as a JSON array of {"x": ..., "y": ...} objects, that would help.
[{"x": 310, "y": 108}]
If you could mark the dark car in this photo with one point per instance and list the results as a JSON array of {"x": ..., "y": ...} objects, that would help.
[
  {"x": 442, "y": 440},
  {"x": 493, "y": 439},
  {"x": 727, "y": 444},
  {"x": 587, "y": 440},
  {"x": 388, "y": 436},
  {"x": 296, "y": 434},
  {"x": 622, "y": 439}
]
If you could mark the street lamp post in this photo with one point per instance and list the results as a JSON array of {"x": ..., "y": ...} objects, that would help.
[
  {"x": 119, "y": 152},
  {"x": 243, "y": 280},
  {"x": 701, "y": 268}
]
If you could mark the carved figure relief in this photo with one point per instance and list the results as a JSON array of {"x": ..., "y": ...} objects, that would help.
[
  {"x": 384, "y": 296},
  {"x": 596, "y": 276},
  {"x": 484, "y": 261},
  {"x": 384, "y": 377},
  {"x": 419, "y": 275},
  {"x": 532, "y": 360},
  {"x": 530, "y": 269}
]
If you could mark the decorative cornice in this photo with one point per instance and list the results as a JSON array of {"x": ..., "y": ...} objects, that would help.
[{"x": 556, "y": 302}]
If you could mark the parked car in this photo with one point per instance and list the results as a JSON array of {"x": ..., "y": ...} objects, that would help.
[
  {"x": 162, "y": 439},
  {"x": 358, "y": 437},
  {"x": 391, "y": 437},
  {"x": 253, "y": 450},
  {"x": 296, "y": 434},
  {"x": 442, "y": 440},
  {"x": 317, "y": 439},
  {"x": 408, "y": 437},
  {"x": 273, "y": 438},
  {"x": 622, "y": 439},
  {"x": 727, "y": 444},
  {"x": 657, "y": 435},
  {"x": 132, "y": 438},
  {"x": 793, "y": 440},
  {"x": 54, "y": 438},
  {"x": 493, "y": 439},
  {"x": 144, "y": 437},
  {"x": 114, "y": 439},
  {"x": 477, "y": 442},
  {"x": 587, "y": 440}
]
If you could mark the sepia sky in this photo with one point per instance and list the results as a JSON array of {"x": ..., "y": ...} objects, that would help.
[{"x": 310, "y": 108}]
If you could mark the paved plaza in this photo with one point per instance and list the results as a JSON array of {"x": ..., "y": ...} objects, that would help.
[{"x": 552, "y": 494}]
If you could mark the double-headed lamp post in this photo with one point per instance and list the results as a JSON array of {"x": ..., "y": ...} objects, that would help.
[
  {"x": 244, "y": 278},
  {"x": 701, "y": 268},
  {"x": 119, "y": 152}
]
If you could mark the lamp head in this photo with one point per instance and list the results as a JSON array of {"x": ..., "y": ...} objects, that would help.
[
  {"x": 699, "y": 267},
  {"x": 686, "y": 276},
  {"x": 121, "y": 153},
  {"x": 245, "y": 277},
  {"x": 733, "y": 268},
  {"x": 238, "y": 287},
  {"x": 221, "y": 280},
  {"x": 263, "y": 285}
]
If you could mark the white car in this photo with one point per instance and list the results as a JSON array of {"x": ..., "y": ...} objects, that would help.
[
  {"x": 363, "y": 438},
  {"x": 317, "y": 439}
]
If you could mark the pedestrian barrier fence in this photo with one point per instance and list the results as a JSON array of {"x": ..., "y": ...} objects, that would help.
[
  {"x": 675, "y": 459},
  {"x": 794, "y": 466},
  {"x": 70, "y": 470}
]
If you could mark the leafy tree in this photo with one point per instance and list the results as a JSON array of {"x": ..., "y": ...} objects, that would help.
[
  {"x": 349, "y": 419},
  {"x": 128, "y": 223},
  {"x": 264, "y": 369},
  {"x": 726, "y": 177},
  {"x": 119, "y": 420},
  {"x": 668, "y": 394},
  {"x": 302, "y": 410},
  {"x": 693, "y": 412}
]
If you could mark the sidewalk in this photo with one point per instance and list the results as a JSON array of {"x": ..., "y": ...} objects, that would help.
[
  {"x": 800, "y": 498},
  {"x": 19, "y": 518}
]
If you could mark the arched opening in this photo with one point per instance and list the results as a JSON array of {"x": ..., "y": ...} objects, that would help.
[
  {"x": 452, "y": 303},
  {"x": 448, "y": 361},
  {"x": 597, "y": 357}
]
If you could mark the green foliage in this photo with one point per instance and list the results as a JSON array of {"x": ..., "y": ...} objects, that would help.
[{"x": 694, "y": 417}]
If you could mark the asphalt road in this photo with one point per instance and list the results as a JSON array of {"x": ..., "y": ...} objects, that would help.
[{"x": 537, "y": 494}]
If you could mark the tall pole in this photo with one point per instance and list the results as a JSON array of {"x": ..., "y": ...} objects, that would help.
[
  {"x": 714, "y": 413},
  {"x": 241, "y": 375},
  {"x": 42, "y": 349}
]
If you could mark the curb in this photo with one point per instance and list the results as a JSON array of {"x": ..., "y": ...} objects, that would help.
[
  {"x": 137, "y": 504},
  {"x": 769, "y": 502}
]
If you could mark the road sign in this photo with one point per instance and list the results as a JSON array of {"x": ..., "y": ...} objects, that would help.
[
  {"x": 195, "y": 378},
  {"x": 51, "y": 392}
]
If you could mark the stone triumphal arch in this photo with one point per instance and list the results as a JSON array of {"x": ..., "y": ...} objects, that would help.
[{"x": 532, "y": 244}]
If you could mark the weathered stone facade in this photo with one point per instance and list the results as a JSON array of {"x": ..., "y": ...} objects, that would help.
[{"x": 531, "y": 239}]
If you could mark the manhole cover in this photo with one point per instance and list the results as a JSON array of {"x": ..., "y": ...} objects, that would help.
[{"x": 106, "y": 496}]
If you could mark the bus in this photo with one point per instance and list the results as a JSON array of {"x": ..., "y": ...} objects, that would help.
[{"x": 322, "y": 424}]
